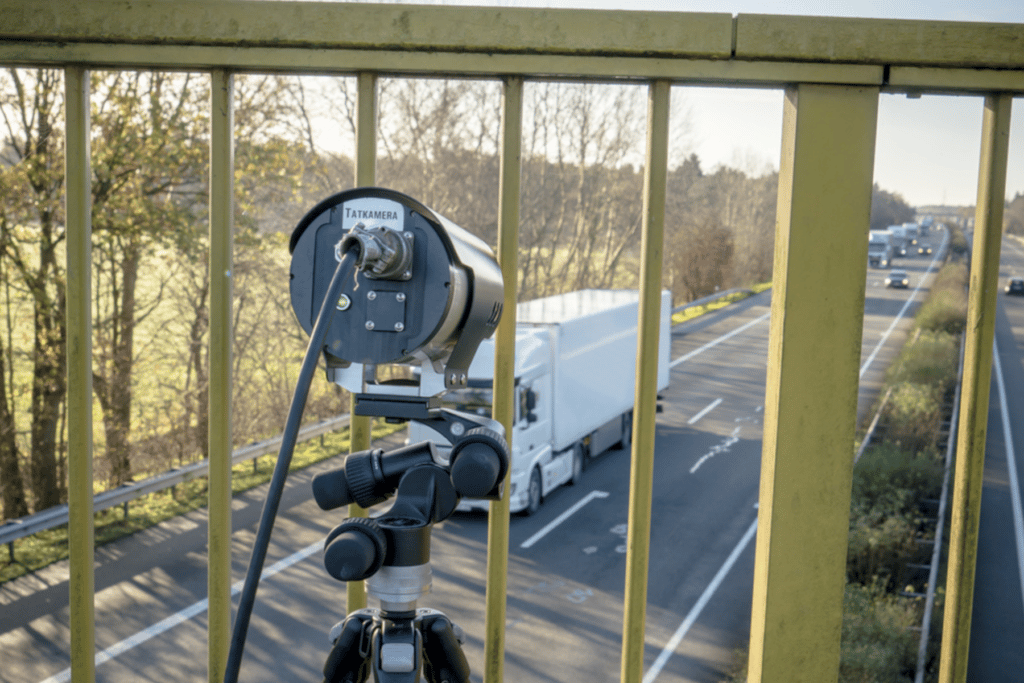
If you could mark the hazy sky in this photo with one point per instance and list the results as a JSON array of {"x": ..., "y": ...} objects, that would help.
[{"x": 927, "y": 148}]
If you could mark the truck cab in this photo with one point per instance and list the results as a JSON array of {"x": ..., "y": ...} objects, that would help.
[
  {"x": 880, "y": 250},
  {"x": 575, "y": 367}
]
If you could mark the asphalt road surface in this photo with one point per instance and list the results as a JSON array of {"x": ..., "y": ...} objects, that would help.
[
  {"x": 566, "y": 571},
  {"x": 997, "y": 622}
]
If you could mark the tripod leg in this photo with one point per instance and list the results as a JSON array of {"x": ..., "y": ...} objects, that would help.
[
  {"x": 443, "y": 659},
  {"x": 349, "y": 660}
]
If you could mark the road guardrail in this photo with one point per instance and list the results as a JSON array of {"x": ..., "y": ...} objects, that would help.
[{"x": 50, "y": 518}]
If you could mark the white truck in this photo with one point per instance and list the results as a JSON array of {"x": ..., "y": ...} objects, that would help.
[
  {"x": 880, "y": 251},
  {"x": 900, "y": 240},
  {"x": 913, "y": 231},
  {"x": 575, "y": 373}
]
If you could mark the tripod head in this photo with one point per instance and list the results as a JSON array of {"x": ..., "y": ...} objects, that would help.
[
  {"x": 426, "y": 486},
  {"x": 391, "y": 552}
]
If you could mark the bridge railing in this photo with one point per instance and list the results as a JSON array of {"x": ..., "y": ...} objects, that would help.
[{"x": 832, "y": 71}]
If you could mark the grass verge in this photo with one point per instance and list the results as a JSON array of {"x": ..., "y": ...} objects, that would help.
[
  {"x": 892, "y": 483},
  {"x": 692, "y": 312},
  {"x": 46, "y": 547}
]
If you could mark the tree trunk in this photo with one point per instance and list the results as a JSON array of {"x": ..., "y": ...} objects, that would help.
[
  {"x": 115, "y": 389},
  {"x": 12, "y": 487},
  {"x": 49, "y": 386}
]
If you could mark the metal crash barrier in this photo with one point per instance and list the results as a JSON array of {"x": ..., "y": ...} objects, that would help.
[{"x": 832, "y": 71}]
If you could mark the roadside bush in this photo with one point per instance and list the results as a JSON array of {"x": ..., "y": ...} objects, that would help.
[
  {"x": 931, "y": 360},
  {"x": 888, "y": 483},
  {"x": 877, "y": 643},
  {"x": 957, "y": 243},
  {"x": 879, "y": 551},
  {"x": 946, "y": 307},
  {"x": 887, "y": 469},
  {"x": 913, "y": 416}
]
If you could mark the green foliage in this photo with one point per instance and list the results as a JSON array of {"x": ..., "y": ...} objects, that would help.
[
  {"x": 888, "y": 484},
  {"x": 946, "y": 307},
  {"x": 931, "y": 360},
  {"x": 878, "y": 644},
  {"x": 1013, "y": 216},
  {"x": 925, "y": 371},
  {"x": 914, "y": 414},
  {"x": 958, "y": 243}
]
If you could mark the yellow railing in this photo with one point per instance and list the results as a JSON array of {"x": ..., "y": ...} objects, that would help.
[{"x": 833, "y": 71}]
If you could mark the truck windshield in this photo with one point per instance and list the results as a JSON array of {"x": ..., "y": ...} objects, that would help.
[{"x": 471, "y": 400}]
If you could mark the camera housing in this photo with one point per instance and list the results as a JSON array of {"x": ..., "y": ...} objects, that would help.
[{"x": 426, "y": 292}]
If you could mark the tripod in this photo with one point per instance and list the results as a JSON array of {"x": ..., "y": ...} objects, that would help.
[{"x": 392, "y": 552}]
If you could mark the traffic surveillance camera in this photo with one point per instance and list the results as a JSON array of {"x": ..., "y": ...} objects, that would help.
[
  {"x": 377, "y": 278},
  {"x": 426, "y": 292}
]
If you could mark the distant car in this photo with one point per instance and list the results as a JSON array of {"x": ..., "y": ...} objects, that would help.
[
  {"x": 897, "y": 278},
  {"x": 1015, "y": 285},
  {"x": 924, "y": 250}
]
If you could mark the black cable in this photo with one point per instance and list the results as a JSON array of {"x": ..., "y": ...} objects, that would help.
[{"x": 284, "y": 459}]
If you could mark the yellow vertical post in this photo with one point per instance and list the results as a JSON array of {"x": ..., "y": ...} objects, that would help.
[
  {"x": 504, "y": 370},
  {"x": 823, "y": 215},
  {"x": 366, "y": 173},
  {"x": 221, "y": 222},
  {"x": 641, "y": 478},
  {"x": 977, "y": 375},
  {"x": 78, "y": 207},
  {"x": 366, "y": 129}
]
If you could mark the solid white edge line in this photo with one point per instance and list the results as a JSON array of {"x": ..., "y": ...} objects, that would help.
[
  {"x": 910, "y": 299},
  {"x": 1011, "y": 466},
  {"x": 714, "y": 342},
  {"x": 562, "y": 517},
  {"x": 708, "y": 409},
  {"x": 702, "y": 602},
  {"x": 182, "y": 616}
]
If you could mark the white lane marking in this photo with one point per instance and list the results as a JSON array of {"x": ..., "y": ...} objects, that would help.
[
  {"x": 702, "y": 602},
  {"x": 712, "y": 406},
  {"x": 182, "y": 616},
  {"x": 715, "y": 342},
  {"x": 1011, "y": 466},
  {"x": 910, "y": 299},
  {"x": 719, "y": 448},
  {"x": 562, "y": 517}
]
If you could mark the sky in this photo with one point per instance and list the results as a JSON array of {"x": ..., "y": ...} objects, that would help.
[{"x": 927, "y": 149}]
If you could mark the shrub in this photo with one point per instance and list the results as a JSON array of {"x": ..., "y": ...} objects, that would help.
[
  {"x": 888, "y": 482},
  {"x": 931, "y": 360},
  {"x": 958, "y": 243},
  {"x": 877, "y": 643},
  {"x": 887, "y": 469},
  {"x": 946, "y": 307},
  {"x": 913, "y": 416}
]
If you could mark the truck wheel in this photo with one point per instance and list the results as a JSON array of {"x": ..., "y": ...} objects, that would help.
[
  {"x": 533, "y": 493},
  {"x": 577, "y": 464}
]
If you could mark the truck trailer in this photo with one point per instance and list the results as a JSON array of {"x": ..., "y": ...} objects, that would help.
[
  {"x": 575, "y": 374},
  {"x": 880, "y": 251},
  {"x": 900, "y": 240}
]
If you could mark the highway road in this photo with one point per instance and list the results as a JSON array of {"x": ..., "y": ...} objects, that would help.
[
  {"x": 997, "y": 622},
  {"x": 566, "y": 571}
]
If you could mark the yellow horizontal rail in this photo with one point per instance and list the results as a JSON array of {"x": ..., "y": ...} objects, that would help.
[
  {"x": 310, "y": 37},
  {"x": 880, "y": 41},
  {"x": 324, "y": 25},
  {"x": 420, "y": 63}
]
